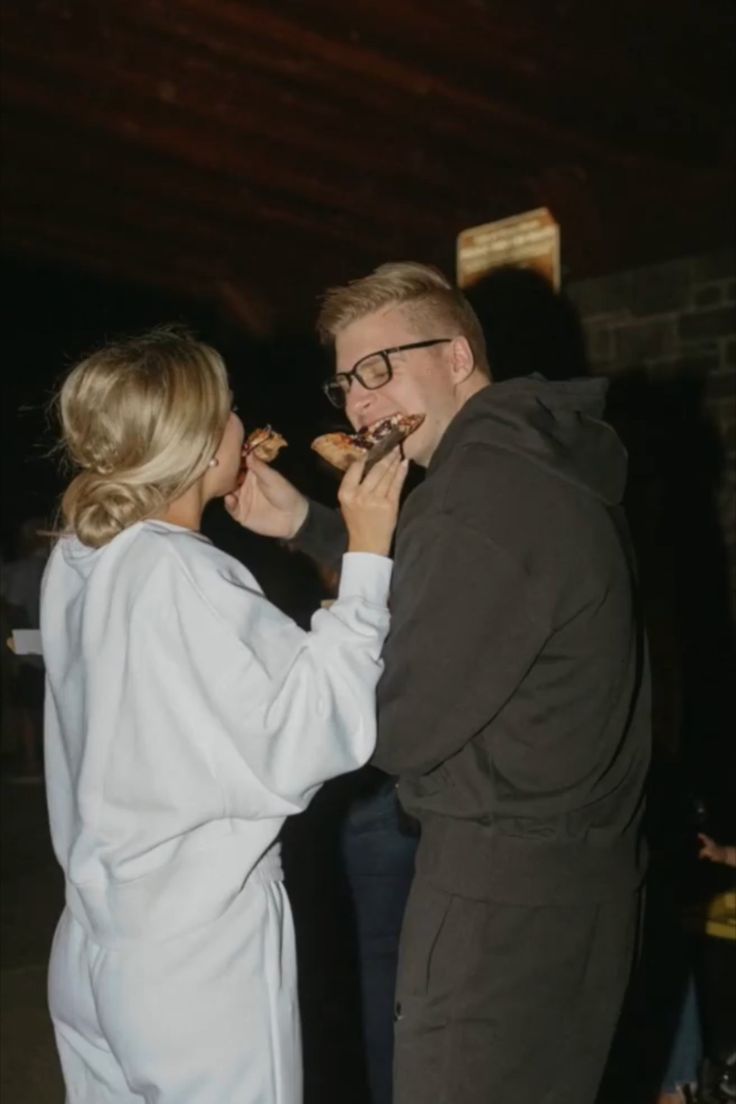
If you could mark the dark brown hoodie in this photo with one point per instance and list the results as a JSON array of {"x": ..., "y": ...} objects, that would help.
[{"x": 514, "y": 707}]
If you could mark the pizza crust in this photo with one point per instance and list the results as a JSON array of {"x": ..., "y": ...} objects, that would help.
[{"x": 338, "y": 449}]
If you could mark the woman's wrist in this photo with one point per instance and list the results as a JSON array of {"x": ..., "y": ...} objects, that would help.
[{"x": 376, "y": 548}]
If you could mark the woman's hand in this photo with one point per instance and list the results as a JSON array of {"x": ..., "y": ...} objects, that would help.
[
  {"x": 267, "y": 503},
  {"x": 370, "y": 508}
]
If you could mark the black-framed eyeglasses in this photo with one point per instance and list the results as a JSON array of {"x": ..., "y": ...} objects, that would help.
[{"x": 372, "y": 371}]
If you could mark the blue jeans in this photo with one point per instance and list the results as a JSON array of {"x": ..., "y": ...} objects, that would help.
[
  {"x": 378, "y": 851},
  {"x": 687, "y": 1047}
]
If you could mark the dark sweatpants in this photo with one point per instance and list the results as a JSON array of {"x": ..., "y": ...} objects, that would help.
[{"x": 507, "y": 1004}]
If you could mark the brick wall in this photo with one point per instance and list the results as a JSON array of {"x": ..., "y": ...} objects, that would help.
[
  {"x": 666, "y": 337},
  {"x": 672, "y": 326}
]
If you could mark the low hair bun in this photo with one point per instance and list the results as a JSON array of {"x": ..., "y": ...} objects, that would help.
[{"x": 97, "y": 508}]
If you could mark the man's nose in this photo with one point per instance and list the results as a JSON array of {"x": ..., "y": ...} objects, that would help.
[{"x": 358, "y": 400}]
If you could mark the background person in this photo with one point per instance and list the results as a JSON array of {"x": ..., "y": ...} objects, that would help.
[{"x": 21, "y": 596}]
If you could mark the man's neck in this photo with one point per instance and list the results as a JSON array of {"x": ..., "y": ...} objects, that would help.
[{"x": 476, "y": 382}]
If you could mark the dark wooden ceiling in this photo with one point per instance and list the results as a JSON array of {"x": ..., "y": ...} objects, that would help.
[{"x": 252, "y": 153}]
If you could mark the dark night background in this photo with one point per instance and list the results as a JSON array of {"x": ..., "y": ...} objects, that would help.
[{"x": 54, "y": 316}]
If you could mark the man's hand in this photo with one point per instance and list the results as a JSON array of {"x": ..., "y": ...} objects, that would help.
[
  {"x": 267, "y": 503},
  {"x": 715, "y": 852}
]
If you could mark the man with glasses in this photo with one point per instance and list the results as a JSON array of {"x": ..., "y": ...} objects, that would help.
[
  {"x": 372, "y": 371},
  {"x": 513, "y": 708}
]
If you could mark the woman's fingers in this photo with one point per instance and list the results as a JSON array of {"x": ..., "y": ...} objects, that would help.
[
  {"x": 390, "y": 478},
  {"x": 352, "y": 477},
  {"x": 373, "y": 485},
  {"x": 398, "y": 479},
  {"x": 381, "y": 475},
  {"x": 370, "y": 503}
]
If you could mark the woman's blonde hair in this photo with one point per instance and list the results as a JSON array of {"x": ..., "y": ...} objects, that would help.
[
  {"x": 141, "y": 419},
  {"x": 431, "y": 303}
]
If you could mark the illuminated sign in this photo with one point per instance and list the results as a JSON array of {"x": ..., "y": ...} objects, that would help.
[{"x": 530, "y": 240}]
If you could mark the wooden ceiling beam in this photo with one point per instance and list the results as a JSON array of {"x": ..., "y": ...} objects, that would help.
[
  {"x": 349, "y": 143},
  {"x": 228, "y": 27}
]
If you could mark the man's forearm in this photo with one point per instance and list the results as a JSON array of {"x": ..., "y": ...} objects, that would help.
[{"x": 323, "y": 536}]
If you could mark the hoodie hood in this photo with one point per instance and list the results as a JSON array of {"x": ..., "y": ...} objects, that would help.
[
  {"x": 556, "y": 425},
  {"x": 82, "y": 559},
  {"x": 79, "y": 557}
]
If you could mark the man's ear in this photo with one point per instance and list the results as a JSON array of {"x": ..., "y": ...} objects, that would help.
[{"x": 462, "y": 360}]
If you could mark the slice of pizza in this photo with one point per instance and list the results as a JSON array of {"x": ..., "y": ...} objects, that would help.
[
  {"x": 372, "y": 442},
  {"x": 339, "y": 449},
  {"x": 264, "y": 443}
]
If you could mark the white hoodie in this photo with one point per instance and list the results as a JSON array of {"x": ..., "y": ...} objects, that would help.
[{"x": 186, "y": 717}]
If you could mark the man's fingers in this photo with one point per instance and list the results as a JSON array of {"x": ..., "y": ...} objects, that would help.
[
  {"x": 254, "y": 462},
  {"x": 262, "y": 471}
]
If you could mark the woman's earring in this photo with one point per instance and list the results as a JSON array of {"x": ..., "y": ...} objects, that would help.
[{"x": 214, "y": 462}]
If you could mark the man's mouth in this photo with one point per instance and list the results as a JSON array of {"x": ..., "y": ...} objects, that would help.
[
  {"x": 369, "y": 425},
  {"x": 384, "y": 428}
]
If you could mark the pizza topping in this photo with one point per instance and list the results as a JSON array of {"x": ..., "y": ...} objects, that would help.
[
  {"x": 264, "y": 443},
  {"x": 377, "y": 439},
  {"x": 370, "y": 435}
]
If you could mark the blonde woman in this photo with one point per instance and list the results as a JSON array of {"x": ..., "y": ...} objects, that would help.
[{"x": 186, "y": 717}]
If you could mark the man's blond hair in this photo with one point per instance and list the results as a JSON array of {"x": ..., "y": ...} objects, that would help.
[{"x": 431, "y": 303}]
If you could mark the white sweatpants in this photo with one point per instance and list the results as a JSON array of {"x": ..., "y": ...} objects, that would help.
[{"x": 209, "y": 1017}]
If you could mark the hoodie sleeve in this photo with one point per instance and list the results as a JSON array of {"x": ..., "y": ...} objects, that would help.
[
  {"x": 463, "y": 637},
  {"x": 323, "y": 536}
]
